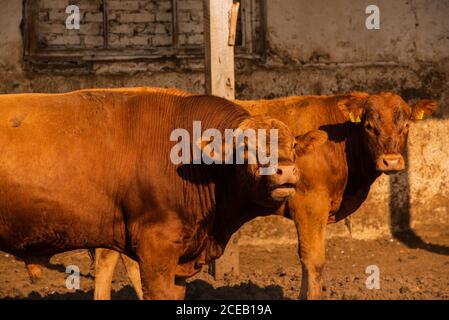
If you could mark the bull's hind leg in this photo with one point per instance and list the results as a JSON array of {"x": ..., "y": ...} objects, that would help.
[
  {"x": 34, "y": 266},
  {"x": 105, "y": 262},
  {"x": 158, "y": 252},
  {"x": 133, "y": 271},
  {"x": 310, "y": 214},
  {"x": 34, "y": 271}
]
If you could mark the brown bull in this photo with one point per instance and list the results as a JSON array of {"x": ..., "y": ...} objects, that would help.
[
  {"x": 92, "y": 169},
  {"x": 367, "y": 137}
]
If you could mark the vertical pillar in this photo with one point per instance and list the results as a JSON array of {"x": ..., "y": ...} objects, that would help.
[{"x": 220, "y": 21}]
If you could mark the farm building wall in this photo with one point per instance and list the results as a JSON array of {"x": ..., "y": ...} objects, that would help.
[{"x": 312, "y": 47}]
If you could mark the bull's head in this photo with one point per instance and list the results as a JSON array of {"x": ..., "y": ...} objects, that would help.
[
  {"x": 385, "y": 119},
  {"x": 279, "y": 184}
]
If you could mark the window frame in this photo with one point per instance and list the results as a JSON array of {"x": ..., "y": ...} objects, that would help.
[{"x": 33, "y": 55}]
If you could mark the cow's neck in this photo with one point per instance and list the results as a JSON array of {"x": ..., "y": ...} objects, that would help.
[
  {"x": 234, "y": 209},
  {"x": 360, "y": 175},
  {"x": 361, "y": 167}
]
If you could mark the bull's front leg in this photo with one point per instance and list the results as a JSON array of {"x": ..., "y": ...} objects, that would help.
[
  {"x": 158, "y": 254},
  {"x": 133, "y": 271},
  {"x": 310, "y": 213},
  {"x": 132, "y": 268},
  {"x": 105, "y": 262}
]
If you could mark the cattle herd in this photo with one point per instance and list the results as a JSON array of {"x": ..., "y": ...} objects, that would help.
[{"x": 93, "y": 169}]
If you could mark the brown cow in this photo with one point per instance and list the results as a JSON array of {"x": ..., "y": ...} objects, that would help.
[
  {"x": 336, "y": 179},
  {"x": 92, "y": 169}
]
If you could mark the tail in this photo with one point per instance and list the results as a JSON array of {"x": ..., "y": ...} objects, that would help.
[{"x": 91, "y": 253}]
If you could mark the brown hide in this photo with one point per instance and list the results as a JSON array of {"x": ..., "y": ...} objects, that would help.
[{"x": 91, "y": 169}]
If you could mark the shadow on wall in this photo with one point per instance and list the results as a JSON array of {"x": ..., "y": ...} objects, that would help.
[{"x": 400, "y": 216}]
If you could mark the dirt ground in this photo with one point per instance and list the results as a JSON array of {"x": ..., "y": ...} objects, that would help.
[{"x": 409, "y": 269}]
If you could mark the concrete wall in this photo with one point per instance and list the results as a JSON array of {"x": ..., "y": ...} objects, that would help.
[{"x": 312, "y": 47}]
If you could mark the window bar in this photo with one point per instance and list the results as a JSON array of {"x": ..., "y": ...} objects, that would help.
[
  {"x": 174, "y": 18},
  {"x": 104, "y": 6},
  {"x": 248, "y": 25}
]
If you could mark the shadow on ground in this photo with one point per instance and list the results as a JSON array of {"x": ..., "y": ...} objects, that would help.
[
  {"x": 400, "y": 215},
  {"x": 197, "y": 289}
]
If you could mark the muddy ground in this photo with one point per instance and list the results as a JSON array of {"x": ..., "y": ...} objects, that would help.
[{"x": 409, "y": 269}]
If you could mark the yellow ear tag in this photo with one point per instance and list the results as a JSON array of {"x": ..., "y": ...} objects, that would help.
[
  {"x": 420, "y": 115},
  {"x": 353, "y": 118}
]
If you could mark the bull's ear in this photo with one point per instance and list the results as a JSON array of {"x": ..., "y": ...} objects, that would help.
[
  {"x": 352, "y": 107},
  {"x": 422, "y": 109},
  {"x": 308, "y": 142}
]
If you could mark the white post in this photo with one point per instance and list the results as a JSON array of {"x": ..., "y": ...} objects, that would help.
[
  {"x": 219, "y": 55},
  {"x": 220, "y": 20}
]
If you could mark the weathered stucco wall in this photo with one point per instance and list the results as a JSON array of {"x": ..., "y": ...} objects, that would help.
[
  {"x": 335, "y": 31},
  {"x": 313, "y": 47}
]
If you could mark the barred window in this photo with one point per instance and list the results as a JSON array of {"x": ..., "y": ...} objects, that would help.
[{"x": 121, "y": 30}]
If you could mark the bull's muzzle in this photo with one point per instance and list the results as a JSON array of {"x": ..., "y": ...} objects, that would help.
[
  {"x": 390, "y": 163},
  {"x": 284, "y": 182}
]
